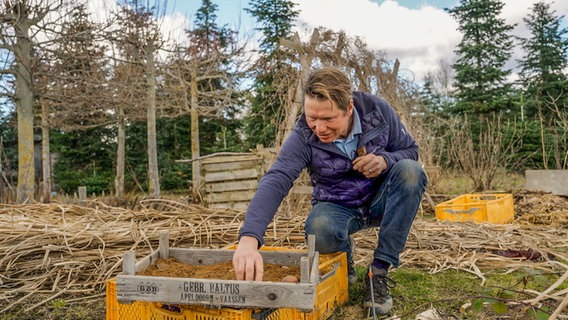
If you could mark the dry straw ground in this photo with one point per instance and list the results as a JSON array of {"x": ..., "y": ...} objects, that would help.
[{"x": 59, "y": 249}]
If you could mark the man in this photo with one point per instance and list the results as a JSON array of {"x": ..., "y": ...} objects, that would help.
[{"x": 363, "y": 166}]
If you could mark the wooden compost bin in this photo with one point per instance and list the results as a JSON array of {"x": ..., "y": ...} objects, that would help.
[
  {"x": 232, "y": 293},
  {"x": 230, "y": 181}
]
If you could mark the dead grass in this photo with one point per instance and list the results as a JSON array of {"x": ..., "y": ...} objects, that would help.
[{"x": 55, "y": 259}]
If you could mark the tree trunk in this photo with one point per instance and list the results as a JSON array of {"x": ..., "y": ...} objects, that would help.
[
  {"x": 195, "y": 164},
  {"x": 45, "y": 155},
  {"x": 120, "y": 155},
  {"x": 153, "y": 173},
  {"x": 24, "y": 106}
]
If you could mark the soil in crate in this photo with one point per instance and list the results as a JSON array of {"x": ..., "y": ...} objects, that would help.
[{"x": 222, "y": 271}]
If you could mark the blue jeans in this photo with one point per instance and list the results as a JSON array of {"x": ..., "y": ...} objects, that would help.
[{"x": 392, "y": 209}]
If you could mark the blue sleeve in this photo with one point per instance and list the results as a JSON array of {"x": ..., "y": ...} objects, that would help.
[{"x": 293, "y": 157}]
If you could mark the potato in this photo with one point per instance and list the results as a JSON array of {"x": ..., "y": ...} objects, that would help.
[{"x": 291, "y": 279}]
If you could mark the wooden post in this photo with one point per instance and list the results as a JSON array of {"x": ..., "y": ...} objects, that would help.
[
  {"x": 304, "y": 270},
  {"x": 82, "y": 193},
  {"x": 164, "y": 246},
  {"x": 311, "y": 249},
  {"x": 129, "y": 263}
]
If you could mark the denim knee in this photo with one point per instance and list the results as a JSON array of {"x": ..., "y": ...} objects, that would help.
[
  {"x": 411, "y": 174},
  {"x": 330, "y": 224}
]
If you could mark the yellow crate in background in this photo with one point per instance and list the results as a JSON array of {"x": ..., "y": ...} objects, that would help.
[
  {"x": 478, "y": 208},
  {"x": 332, "y": 291}
]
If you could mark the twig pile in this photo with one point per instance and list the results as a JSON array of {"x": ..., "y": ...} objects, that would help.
[{"x": 55, "y": 249}]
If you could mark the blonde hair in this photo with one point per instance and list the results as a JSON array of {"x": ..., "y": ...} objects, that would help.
[{"x": 329, "y": 84}]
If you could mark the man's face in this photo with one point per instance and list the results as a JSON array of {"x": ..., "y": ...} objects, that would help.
[{"x": 326, "y": 120}]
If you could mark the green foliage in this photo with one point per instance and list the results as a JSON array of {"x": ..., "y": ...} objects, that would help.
[
  {"x": 262, "y": 124},
  {"x": 544, "y": 63},
  {"x": 448, "y": 291},
  {"x": 499, "y": 307},
  {"x": 539, "y": 314},
  {"x": 275, "y": 19},
  {"x": 206, "y": 32},
  {"x": 8, "y": 147},
  {"x": 482, "y": 54},
  {"x": 477, "y": 305},
  {"x": 84, "y": 158},
  {"x": 70, "y": 180}
]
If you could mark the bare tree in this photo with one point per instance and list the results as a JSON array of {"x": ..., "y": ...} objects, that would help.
[
  {"x": 137, "y": 39},
  {"x": 21, "y": 23},
  {"x": 560, "y": 116},
  {"x": 481, "y": 156},
  {"x": 71, "y": 87}
]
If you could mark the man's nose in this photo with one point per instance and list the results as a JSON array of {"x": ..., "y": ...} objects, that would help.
[{"x": 320, "y": 127}]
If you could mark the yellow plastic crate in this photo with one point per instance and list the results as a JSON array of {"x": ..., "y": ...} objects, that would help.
[
  {"x": 478, "y": 208},
  {"x": 332, "y": 291}
]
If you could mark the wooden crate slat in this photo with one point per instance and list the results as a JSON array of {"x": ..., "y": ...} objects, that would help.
[
  {"x": 231, "y": 185},
  {"x": 226, "y": 159},
  {"x": 229, "y": 196},
  {"x": 226, "y": 293},
  {"x": 232, "y": 175},
  {"x": 198, "y": 257},
  {"x": 216, "y": 167}
]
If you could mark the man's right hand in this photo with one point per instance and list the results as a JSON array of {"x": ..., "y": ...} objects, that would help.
[{"x": 247, "y": 261}]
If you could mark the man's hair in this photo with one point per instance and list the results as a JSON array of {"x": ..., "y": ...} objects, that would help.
[{"x": 329, "y": 84}]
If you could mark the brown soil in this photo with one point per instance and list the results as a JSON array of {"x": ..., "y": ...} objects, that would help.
[{"x": 222, "y": 271}]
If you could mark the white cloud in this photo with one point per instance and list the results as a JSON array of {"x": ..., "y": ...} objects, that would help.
[
  {"x": 420, "y": 38},
  {"x": 173, "y": 27},
  {"x": 101, "y": 9}
]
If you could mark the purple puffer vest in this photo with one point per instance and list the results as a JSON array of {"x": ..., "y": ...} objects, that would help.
[{"x": 331, "y": 171}]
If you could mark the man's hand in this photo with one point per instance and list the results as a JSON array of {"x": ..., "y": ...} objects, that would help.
[
  {"x": 370, "y": 165},
  {"x": 247, "y": 261}
]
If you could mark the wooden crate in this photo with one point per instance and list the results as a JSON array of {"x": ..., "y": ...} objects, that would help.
[
  {"x": 228, "y": 293},
  {"x": 331, "y": 292}
]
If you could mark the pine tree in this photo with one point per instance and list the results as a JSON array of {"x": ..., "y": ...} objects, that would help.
[
  {"x": 201, "y": 81},
  {"x": 544, "y": 62},
  {"x": 545, "y": 83},
  {"x": 275, "y": 19},
  {"x": 481, "y": 80}
]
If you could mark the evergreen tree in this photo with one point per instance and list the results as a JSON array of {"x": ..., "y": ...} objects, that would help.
[
  {"x": 209, "y": 38},
  {"x": 201, "y": 82},
  {"x": 481, "y": 80},
  {"x": 275, "y": 19},
  {"x": 545, "y": 84},
  {"x": 84, "y": 158},
  {"x": 543, "y": 64},
  {"x": 436, "y": 91}
]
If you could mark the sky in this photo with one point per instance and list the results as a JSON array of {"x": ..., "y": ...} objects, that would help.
[{"x": 419, "y": 33}]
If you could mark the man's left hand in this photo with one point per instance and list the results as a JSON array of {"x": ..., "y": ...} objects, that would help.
[{"x": 370, "y": 165}]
